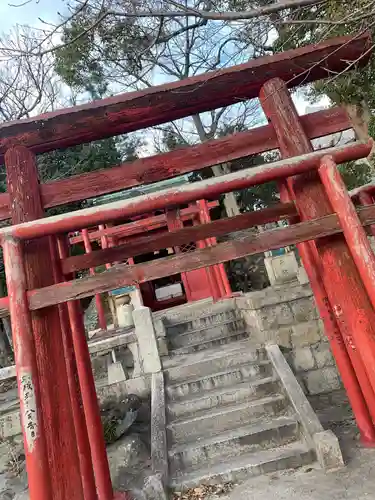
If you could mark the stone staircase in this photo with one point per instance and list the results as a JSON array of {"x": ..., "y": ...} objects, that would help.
[
  {"x": 228, "y": 414},
  {"x": 216, "y": 327}
]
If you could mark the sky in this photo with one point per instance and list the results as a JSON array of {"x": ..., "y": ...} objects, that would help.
[
  {"x": 48, "y": 11},
  {"x": 29, "y": 13}
]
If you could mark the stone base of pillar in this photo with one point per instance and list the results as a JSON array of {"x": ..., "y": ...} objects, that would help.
[{"x": 281, "y": 268}]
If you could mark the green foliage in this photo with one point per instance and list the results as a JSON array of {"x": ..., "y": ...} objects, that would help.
[{"x": 348, "y": 17}]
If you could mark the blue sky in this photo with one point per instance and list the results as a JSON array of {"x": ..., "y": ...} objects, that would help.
[{"x": 29, "y": 13}]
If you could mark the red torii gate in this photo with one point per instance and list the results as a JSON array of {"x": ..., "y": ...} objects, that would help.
[
  {"x": 198, "y": 284},
  {"x": 64, "y": 445}
]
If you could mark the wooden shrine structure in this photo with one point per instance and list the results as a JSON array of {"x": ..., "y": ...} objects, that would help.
[
  {"x": 197, "y": 284},
  {"x": 64, "y": 446}
]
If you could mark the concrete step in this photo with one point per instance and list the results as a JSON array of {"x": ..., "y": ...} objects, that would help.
[
  {"x": 290, "y": 456},
  {"x": 205, "y": 321},
  {"x": 244, "y": 391},
  {"x": 201, "y": 346},
  {"x": 249, "y": 371},
  {"x": 191, "y": 366},
  {"x": 264, "y": 435},
  {"x": 224, "y": 418},
  {"x": 206, "y": 334}
]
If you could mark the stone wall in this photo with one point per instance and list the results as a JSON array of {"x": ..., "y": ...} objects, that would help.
[{"x": 286, "y": 314}]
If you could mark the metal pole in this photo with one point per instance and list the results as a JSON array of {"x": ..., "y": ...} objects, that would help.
[
  {"x": 89, "y": 397},
  {"x": 338, "y": 273},
  {"x": 98, "y": 297},
  {"x": 27, "y": 374},
  {"x": 84, "y": 454}
]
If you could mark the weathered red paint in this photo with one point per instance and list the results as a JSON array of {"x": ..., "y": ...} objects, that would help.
[
  {"x": 354, "y": 233},
  {"x": 81, "y": 435},
  {"x": 27, "y": 375},
  {"x": 222, "y": 278},
  {"x": 364, "y": 199},
  {"x": 139, "y": 226},
  {"x": 88, "y": 392},
  {"x": 164, "y": 103},
  {"x": 310, "y": 230},
  {"x": 122, "y": 274},
  {"x": 98, "y": 297},
  {"x": 104, "y": 242},
  {"x": 153, "y": 242},
  {"x": 348, "y": 361},
  {"x": 210, "y": 188},
  {"x": 23, "y": 188},
  {"x": 347, "y": 296}
]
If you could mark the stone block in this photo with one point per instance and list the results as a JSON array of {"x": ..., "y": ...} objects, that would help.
[
  {"x": 272, "y": 317},
  {"x": 163, "y": 346},
  {"x": 322, "y": 380},
  {"x": 328, "y": 451},
  {"x": 159, "y": 451},
  {"x": 281, "y": 336},
  {"x": 323, "y": 355},
  {"x": 10, "y": 425},
  {"x": 305, "y": 334},
  {"x": 273, "y": 295},
  {"x": 116, "y": 373},
  {"x": 281, "y": 268},
  {"x": 154, "y": 489},
  {"x": 304, "y": 309},
  {"x": 147, "y": 343},
  {"x": 252, "y": 320},
  {"x": 302, "y": 277},
  {"x": 303, "y": 359}
]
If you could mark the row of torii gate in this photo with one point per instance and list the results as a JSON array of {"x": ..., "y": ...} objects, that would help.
[{"x": 64, "y": 446}]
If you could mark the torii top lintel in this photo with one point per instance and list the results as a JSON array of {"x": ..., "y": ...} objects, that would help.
[{"x": 160, "y": 104}]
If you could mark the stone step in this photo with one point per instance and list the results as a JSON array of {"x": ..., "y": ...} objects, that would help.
[
  {"x": 206, "y": 334},
  {"x": 207, "y": 382},
  {"x": 193, "y": 310},
  {"x": 244, "y": 391},
  {"x": 191, "y": 366},
  {"x": 213, "y": 421},
  {"x": 290, "y": 456},
  {"x": 264, "y": 435},
  {"x": 201, "y": 322},
  {"x": 201, "y": 346}
]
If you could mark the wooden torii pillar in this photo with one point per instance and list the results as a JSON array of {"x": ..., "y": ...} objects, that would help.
[{"x": 347, "y": 297}]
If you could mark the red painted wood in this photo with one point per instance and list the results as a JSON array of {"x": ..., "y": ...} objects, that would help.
[
  {"x": 354, "y": 234},
  {"x": 98, "y": 298},
  {"x": 208, "y": 189},
  {"x": 89, "y": 397},
  {"x": 153, "y": 242},
  {"x": 81, "y": 435},
  {"x": 221, "y": 275},
  {"x": 140, "y": 226},
  {"x": 312, "y": 265},
  {"x": 174, "y": 223},
  {"x": 35, "y": 446},
  {"x": 180, "y": 161},
  {"x": 128, "y": 275},
  {"x": 23, "y": 188},
  {"x": 341, "y": 279},
  {"x": 164, "y": 103},
  {"x": 326, "y": 226}
]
